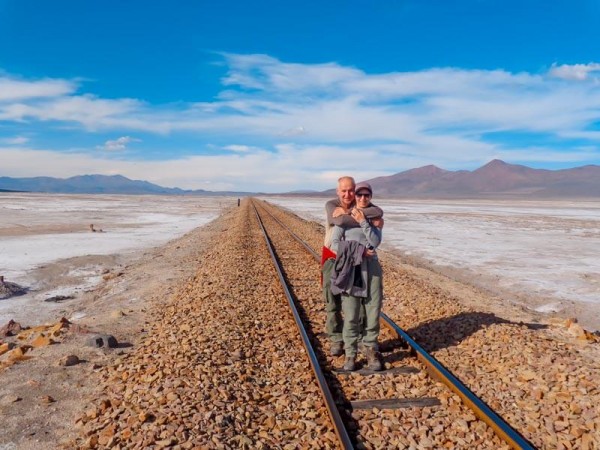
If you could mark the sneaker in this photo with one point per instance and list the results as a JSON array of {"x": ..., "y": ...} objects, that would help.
[
  {"x": 349, "y": 364},
  {"x": 374, "y": 360},
  {"x": 336, "y": 348}
]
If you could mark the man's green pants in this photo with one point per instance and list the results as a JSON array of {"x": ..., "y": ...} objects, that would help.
[{"x": 333, "y": 306}]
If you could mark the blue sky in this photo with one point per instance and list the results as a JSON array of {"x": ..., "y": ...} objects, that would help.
[{"x": 274, "y": 96}]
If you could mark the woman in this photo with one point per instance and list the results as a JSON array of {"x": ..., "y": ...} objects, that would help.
[{"x": 357, "y": 277}]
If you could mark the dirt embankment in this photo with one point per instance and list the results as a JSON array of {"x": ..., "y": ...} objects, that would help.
[{"x": 39, "y": 398}]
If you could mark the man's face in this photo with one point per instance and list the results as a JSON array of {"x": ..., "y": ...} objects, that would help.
[{"x": 345, "y": 192}]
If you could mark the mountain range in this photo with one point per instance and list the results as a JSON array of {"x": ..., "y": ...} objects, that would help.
[
  {"x": 496, "y": 179},
  {"x": 97, "y": 184}
]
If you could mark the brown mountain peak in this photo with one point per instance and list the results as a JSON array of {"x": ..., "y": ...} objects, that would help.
[
  {"x": 498, "y": 162},
  {"x": 426, "y": 170},
  {"x": 495, "y": 164}
]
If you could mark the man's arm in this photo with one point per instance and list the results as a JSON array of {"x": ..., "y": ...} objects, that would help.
[
  {"x": 344, "y": 221},
  {"x": 372, "y": 211}
]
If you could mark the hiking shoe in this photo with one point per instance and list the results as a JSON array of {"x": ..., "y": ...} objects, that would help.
[
  {"x": 374, "y": 360},
  {"x": 349, "y": 364},
  {"x": 336, "y": 348},
  {"x": 362, "y": 348}
]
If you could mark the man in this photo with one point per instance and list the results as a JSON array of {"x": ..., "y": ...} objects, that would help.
[{"x": 338, "y": 213}]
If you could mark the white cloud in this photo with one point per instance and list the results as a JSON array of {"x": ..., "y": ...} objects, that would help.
[
  {"x": 13, "y": 89},
  {"x": 116, "y": 145},
  {"x": 17, "y": 140},
  {"x": 296, "y": 131},
  {"x": 267, "y": 73},
  {"x": 91, "y": 112},
  {"x": 241, "y": 148},
  {"x": 575, "y": 71}
]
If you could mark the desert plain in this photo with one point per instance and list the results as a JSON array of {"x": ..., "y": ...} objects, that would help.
[{"x": 532, "y": 259}]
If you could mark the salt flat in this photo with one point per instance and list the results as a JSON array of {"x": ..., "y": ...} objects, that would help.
[
  {"x": 542, "y": 254},
  {"x": 38, "y": 230}
]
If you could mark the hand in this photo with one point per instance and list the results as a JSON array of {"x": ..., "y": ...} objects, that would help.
[
  {"x": 377, "y": 222},
  {"x": 358, "y": 215},
  {"x": 339, "y": 211},
  {"x": 369, "y": 252}
]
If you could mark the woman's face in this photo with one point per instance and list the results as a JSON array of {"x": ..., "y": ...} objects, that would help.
[{"x": 363, "y": 198}]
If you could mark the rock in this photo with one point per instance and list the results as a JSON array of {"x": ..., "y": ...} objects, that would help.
[
  {"x": 81, "y": 329},
  {"x": 238, "y": 355},
  {"x": 166, "y": 442},
  {"x": 61, "y": 324},
  {"x": 10, "y": 399},
  {"x": 570, "y": 321},
  {"x": 10, "y": 329},
  {"x": 69, "y": 360},
  {"x": 117, "y": 314},
  {"x": 18, "y": 353},
  {"x": 92, "y": 442},
  {"x": 576, "y": 330},
  {"x": 8, "y": 290},
  {"x": 102, "y": 340},
  {"x": 527, "y": 375},
  {"x": 110, "y": 276},
  {"x": 145, "y": 417},
  {"x": 6, "y": 347},
  {"x": 59, "y": 298},
  {"x": 41, "y": 341},
  {"x": 47, "y": 399}
]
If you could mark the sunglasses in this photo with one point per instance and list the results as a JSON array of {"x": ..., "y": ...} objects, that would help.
[{"x": 363, "y": 195}]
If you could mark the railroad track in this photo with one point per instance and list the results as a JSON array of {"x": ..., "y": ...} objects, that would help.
[{"x": 372, "y": 409}]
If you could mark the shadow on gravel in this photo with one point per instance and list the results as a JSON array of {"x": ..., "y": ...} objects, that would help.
[
  {"x": 396, "y": 356},
  {"x": 449, "y": 331},
  {"x": 124, "y": 345}
]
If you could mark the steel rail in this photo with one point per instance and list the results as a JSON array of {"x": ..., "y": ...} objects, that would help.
[
  {"x": 338, "y": 423},
  {"x": 481, "y": 410},
  {"x": 440, "y": 372}
]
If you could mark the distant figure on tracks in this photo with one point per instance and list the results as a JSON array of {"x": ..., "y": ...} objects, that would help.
[
  {"x": 357, "y": 277},
  {"x": 338, "y": 214}
]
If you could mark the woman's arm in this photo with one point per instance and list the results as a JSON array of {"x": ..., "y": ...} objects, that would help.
[{"x": 372, "y": 234}]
